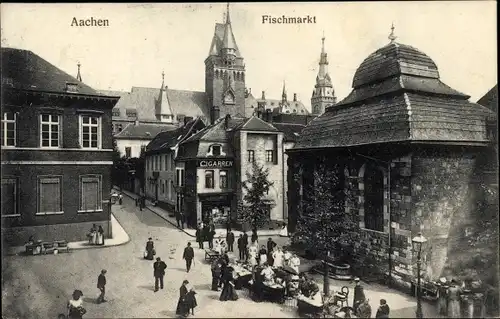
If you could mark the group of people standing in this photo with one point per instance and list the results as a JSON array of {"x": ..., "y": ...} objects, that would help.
[
  {"x": 96, "y": 235},
  {"x": 361, "y": 304},
  {"x": 223, "y": 278},
  {"x": 205, "y": 232},
  {"x": 449, "y": 297}
]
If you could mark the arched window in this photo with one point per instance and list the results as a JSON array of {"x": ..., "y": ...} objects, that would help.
[{"x": 373, "y": 179}]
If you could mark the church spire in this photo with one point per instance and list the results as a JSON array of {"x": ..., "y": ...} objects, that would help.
[
  {"x": 283, "y": 95},
  {"x": 78, "y": 75},
  {"x": 228, "y": 41},
  {"x": 163, "y": 110},
  {"x": 323, "y": 95},
  {"x": 392, "y": 36},
  {"x": 323, "y": 62}
]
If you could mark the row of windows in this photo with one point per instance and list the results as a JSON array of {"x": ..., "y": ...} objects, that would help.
[
  {"x": 50, "y": 197},
  {"x": 210, "y": 181},
  {"x": 160, "y": 163},
  {"x": 270, "y": 156},
  {"x": 51, "y": 130}
]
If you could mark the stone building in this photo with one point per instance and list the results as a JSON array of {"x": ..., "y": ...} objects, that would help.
[
  {"x": 56, "y": 152},
  {"x": 323, "y": 95},
  {"x": 410, "y": 152},
  {"x": 164, "y": 176}
]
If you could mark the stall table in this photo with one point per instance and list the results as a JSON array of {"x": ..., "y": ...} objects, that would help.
[
  {"x": 308, "y": 309},
  {"x": 211, "y": 255}
]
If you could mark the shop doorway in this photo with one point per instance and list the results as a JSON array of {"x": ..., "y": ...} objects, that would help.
[{"x": 217, "y": 213}]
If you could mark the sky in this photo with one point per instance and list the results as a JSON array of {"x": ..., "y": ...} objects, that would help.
[{"x": 142, "y": 40}]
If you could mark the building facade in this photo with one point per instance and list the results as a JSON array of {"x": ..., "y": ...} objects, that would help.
[
  {"x": 408, "y": 150},
  {"x": 56, "y": 152}
]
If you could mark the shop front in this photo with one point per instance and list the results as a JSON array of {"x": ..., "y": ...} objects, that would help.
[{"x": 216, "y": 208}]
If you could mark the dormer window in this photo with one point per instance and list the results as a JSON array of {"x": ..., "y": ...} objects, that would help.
[
  {"x": 71, "y": 87},
  {"x": 216, "y": 150},
  {"x": 131, "y": 113}
]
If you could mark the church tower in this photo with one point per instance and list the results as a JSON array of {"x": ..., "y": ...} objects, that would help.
[
  {"x": 323, "y": 94},
  {"x": 225, "y": 73}
]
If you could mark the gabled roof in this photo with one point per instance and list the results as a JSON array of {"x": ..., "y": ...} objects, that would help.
[
  {"x": 256, "y": 124},
  {"x": 168, "y": 139},
  {"x": 143, "y": 131},
  {"x": 144, "y": 100},
  {"x": 490, "y": 99},
  {"x": 292, "y": 131},
  {"x": 294, "y": 107},
  {"x": 28, "y": 71},
  {"x": 217, "y": 132}
]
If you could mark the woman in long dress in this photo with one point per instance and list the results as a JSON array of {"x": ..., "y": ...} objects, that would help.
[
  {"x": 252, "y": 255},
  {"x": 182, "y": 305},
  {"x": 278, "y": 258},
  {"x": 228, "y": 291},
  {"x": 294, "y": 263},
  {"x": 75, "y": 306},
  {"x": 150, "y": 249},
  {"x": 262, "y": 255},
  {"x": 93, "y": 232},
  {"x": 454, "y": 300},
  {"x": 284, "y": 231}
]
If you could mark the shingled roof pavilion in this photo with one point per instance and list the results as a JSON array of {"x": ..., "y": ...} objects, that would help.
[{"x": 408, "y": 153}]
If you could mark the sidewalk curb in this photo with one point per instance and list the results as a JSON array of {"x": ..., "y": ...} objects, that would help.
[
  {"x": 159, "y": 215},
  {"x": 125, "y": 241}
]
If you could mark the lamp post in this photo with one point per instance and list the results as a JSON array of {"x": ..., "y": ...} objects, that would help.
[
  {"x": 326, "y": 276},
  {"x": 418, "y": 241}
]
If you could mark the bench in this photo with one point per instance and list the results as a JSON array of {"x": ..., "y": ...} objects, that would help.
[
  {"x": 59, "y": 245},
  {"x": 211, "y": 255}
]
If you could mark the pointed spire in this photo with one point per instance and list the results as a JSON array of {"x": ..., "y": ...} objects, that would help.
[
  {"x": 392, "y": 36},
  {"x": 78, "y": 75},
  {"x": 323, "y": 43},
  {"x": 283, "y": 95},
  {"x": 162, "y": 80},
  {"x": 228, "y": 41},
  {"x": 228, "y": 18}
]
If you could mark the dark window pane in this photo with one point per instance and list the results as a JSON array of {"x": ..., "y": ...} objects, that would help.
[{"x": 45, "y": 117}]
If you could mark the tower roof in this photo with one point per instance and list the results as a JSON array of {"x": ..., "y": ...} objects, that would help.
[
  {"x": 323, "y": 78},
  {"x": 224, "y": 38}
]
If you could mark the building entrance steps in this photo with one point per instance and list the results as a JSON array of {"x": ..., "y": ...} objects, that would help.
[
  {"x": 119, "y": 237},
  {"x": 219, "y": 232}
]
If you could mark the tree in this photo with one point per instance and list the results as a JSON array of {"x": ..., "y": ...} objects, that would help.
[
  {"x": 323, "y": 224},
  {"x": 256, "y": 212},
  {"x": 119, "y": 171}
]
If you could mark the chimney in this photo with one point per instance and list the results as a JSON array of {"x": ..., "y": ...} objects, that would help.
[
  {"x": 268, "y": 116},
  {"x": 263, "y": 95},
  {"x": 215, "y": 114},
  {"x": 295, "y": 97},
  {"x": 226, "y": 121},
  {"x": 250, "y": 91},
  {"x": 136, "y": 122}
]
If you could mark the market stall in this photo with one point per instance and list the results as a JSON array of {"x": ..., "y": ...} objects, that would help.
[{"x": 242, "y": 275}]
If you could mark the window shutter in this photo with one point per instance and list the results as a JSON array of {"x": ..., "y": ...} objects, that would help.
[{"x": 50, "y": 195}]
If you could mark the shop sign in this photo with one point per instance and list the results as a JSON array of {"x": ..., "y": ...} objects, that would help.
[{"x": 215, "y": 163}]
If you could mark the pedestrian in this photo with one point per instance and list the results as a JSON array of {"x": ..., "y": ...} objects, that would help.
[
  {"x": 211, "y": 235},
  {"x": 245, "y": 245},
  {"x": 230, "y": 241},
  {"x": 100, "y": 236},
  {"x": 150, "y": 249},
  {"x": 159, "y": 272},
  {"x": 191, "y": 302},
  {"x": 178, "y": 218},
  {"x": 270, "y": 249},
  {"x": 188, "y": 256},
  {"x": 136, "y": 202},
  {"x": 254, "y": 237},
  {"x": 199, "y": 236},
  {"x": 359, "y": 295},
  {"x": 206, "y": 231},
  {"x": 442, "y": 296},
  {"x": 262, "y": 255},
  {"x": 75, "y": 306},
  {"x": 365, "y": 310},
  {"x": 140, "y": 203},
  {"x": 120, "y": 199},
  {"x": 101, "y": 285},
  {"x": 383, "y": 309},
  {"x": 183, "y": 219},
  {"x": 454, "y": 293},
  {"x": 228, "y": 291},
  {"x": 92, "y": 235},
  {"x": 182, "y": 306},
  {"x": 216, "y": 274}
]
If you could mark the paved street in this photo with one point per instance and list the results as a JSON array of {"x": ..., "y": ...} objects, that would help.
[{"x": 38, "y": 286}]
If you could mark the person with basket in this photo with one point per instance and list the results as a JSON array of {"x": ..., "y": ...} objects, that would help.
[{"x": 75, "y": 306}]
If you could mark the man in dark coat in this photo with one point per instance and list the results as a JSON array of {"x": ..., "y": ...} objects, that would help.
[
  {"x": 216, "y": 274},
  {"x": 245, "y": 245},
  {"x": 159, "y": 272},
  {"x": 383, "y": 310},
  {"x": 178, "y": 218},
  {"x": 183, "y": 219},
  {"x": 182, "y": 304},
  {"x": 206, "y": 232},
  {"x": 359, "y": 295},
  {"x": 270, "y": 247},
  {"x": 101, "y": 284},
  {"x": 188, "y": 256},
  {"x": 211, "y": 235},
  {"x": 199, "y": 236},
  {"x": 241, "y": 247},
  {"x": 230, "y": 241}
]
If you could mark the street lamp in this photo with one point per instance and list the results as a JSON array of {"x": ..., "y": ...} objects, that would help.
[
  {"x": 326, "y": 276},
  {"x": 417, "y": 242}
]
